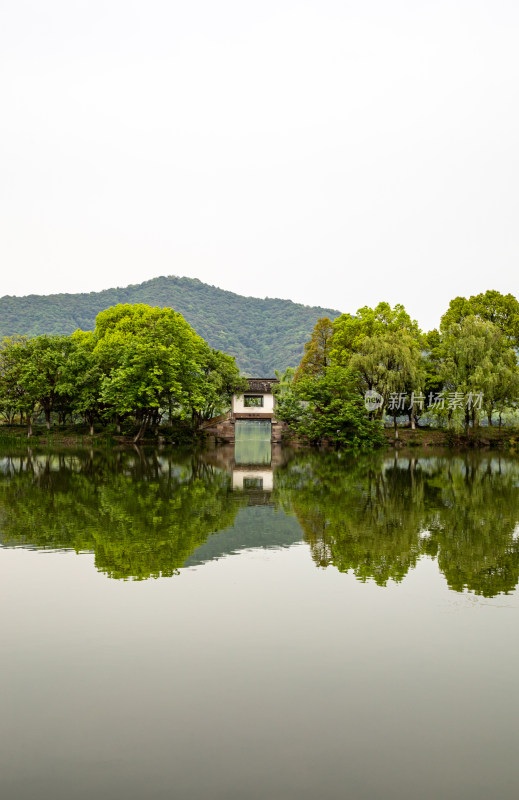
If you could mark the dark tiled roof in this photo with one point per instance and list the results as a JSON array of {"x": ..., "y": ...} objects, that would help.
[{"x": 261, "y": 385}]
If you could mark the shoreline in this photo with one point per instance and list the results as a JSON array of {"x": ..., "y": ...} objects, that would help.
[
  {"x": 481, "y": 438},
  {"x": 486, "y": 437}
]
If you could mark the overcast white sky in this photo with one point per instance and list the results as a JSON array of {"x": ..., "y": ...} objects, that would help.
[{"x": 333, "y": 153}]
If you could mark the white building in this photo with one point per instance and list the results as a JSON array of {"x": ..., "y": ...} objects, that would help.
[
  {"x": 252, "y": 416},
  {"x": 256, "y": 403}
]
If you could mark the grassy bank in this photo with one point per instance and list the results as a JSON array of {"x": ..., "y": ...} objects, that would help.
[
  {"x": 79, "y": 436},
  {"x": 480, "y": 437},
  {"x": 66, "y": 436}
]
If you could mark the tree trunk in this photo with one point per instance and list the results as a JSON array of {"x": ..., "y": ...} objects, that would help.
[
  {"x": 156, "y": 422},
  {"x": 91, "y": 429},
  {"x": 413, "y": 420},
  {"x": 47, "y": 419},
  {"x": 29, "y": 426},
  {"x": 396, "y": 427},
  {"x": 489, "y": 417},
  {"x": 142, "y": 429}
]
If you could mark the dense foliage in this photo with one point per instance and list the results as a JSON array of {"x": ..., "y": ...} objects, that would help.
[
  {"x": 466, "y": 371},
  {"x": 262, "y": 334},
  {"x": 139, "y": 364},
  {"x": 327, "y": 407}
]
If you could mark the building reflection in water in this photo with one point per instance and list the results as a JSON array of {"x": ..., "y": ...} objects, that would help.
[
  {"x": 252, "y": 471},
  {"x": 252, "y": 463}
]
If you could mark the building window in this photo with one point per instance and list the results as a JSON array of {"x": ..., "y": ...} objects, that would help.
[
  {"x": 253, "y": 483},
  {"x": 253, "y": 401}
]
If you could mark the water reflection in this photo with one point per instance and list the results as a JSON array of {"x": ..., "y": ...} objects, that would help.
[
  {"x": 141, "y": 514},
  {"x": 376, "y": 518},
  {"x": 149, "y": 514},
  {"x": 253, "y": 443},
  {"x": 252, "y": 468}
]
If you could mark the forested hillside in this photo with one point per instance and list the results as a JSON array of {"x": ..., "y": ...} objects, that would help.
[{"x": 263, "y": 335}]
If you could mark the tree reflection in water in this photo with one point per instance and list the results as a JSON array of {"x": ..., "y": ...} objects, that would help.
[
  {"x": 376, "y": 517},
  {"x": 144, "y": 514},
  {"x": 141, "y": 514}
]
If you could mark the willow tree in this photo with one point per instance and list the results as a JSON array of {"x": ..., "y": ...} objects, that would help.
[
  {"x": 384, "y": 346},
  {"x": 476, "y": 356},
  {"x": 392, "y": 365}
]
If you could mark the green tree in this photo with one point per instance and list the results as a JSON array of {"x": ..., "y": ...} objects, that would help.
[
  {"x": 432, "y": 362},
  {"x": 153, "y": 360},
  {"x": 219, "y": 380},
  {"x": 81, "y": 379},
  {"x": 490, "y": 306},
  {"x": 328, "y": 407},
  {"x": 11, "y": 400},
  {"x": 317, "y": 354},
  {"x": 49, "y": 355},
  {"x": 477, "y": 357},
  {"x": 391, "y": 364},
  {"x": 384, "y": 346},
  {"x": 350, "y": 332},
  {"x": 22, "y": 384},
  {"x": 285, "y": 379}
]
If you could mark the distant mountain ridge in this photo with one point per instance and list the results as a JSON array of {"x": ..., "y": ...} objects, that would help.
[{"x": 263, "y": 334}]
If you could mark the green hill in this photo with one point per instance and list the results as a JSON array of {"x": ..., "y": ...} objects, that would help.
[{"x": 263, "y": 335}]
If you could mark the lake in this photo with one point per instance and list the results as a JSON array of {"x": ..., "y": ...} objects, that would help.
[{"x": 259, "y": 623}]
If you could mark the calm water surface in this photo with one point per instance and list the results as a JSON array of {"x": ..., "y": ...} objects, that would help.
[{"x": 262, "y": 623}]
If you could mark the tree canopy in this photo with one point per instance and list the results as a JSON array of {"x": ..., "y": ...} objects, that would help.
[
  {"x": 139, "y": 363},
  {"x": 434, "y": 376},
  {"x": 490, "y": 306}
]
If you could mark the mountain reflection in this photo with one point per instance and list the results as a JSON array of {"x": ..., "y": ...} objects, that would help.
[{"x": 150, "y": 514}]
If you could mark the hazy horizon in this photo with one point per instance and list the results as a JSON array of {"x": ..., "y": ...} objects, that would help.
[{"x": 333, "y": 153}]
